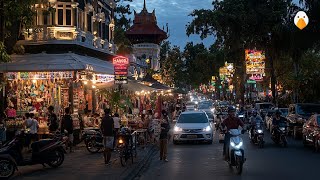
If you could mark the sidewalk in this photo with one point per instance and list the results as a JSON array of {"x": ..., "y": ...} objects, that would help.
[{"x": 83, "y": 165}]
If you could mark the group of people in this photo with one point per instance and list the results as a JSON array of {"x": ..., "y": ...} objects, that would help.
[{"x": 233, "y": 122}]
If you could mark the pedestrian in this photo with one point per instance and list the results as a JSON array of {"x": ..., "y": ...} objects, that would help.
[
  {"x": 165, "y": 127},
  {"x": 107, "y": 126},
  {"x": 2, "y": 129},
  {"x": 32, "y": 128},
  {"x": 67, "y": 124},
  {"x": 116, "y": 121},
  {"x": 52, "y": 120}
]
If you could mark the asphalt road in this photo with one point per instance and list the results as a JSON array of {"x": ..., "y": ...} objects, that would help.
[{"x": 201, "y": 161}]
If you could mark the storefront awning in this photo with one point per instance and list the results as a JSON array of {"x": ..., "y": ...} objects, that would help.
[
  {"x": 131, "y": 86},
  {"x": 56, "y": 62}
]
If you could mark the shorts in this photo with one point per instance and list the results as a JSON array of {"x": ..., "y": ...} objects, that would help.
[
  {"x": 70, "y": 136},
  {"x": 108, "y": 142}
]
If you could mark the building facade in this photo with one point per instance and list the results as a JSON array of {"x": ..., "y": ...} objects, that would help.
[{"x": 87, "y": 23}]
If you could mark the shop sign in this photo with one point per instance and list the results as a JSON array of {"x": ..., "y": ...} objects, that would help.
[
  {"x": 121, "y": 80},
  {"x": 256, "y": 77},
  {"x": 120, "y": 69},
  {"x": 117, "y": 61},
  {"x": 39, "y": 75},
  {"x": 255, "y": 62},
  {"x": 250, "y": 81},
  {"x": 103, "y": 78}
]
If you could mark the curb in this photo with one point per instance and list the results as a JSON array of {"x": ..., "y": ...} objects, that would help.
[{"x": 134, "y": 172}]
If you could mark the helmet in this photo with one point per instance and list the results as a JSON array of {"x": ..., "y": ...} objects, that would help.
[
  {"x": 231, "y": 109},
  {"x": 254, "y": 112}
]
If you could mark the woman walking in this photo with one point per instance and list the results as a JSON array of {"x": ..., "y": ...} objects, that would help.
[{"x": 165, "y": 127}]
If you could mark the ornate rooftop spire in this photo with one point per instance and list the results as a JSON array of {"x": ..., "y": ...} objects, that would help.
[{"x": 144, "y": 5}]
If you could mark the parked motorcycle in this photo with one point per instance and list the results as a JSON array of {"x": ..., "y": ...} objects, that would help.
[
  {"x": 93, "y": 140},
  {"x": 235, "y": 150},
  {"x": 279, "y": 135},
  {"x": 257, "y": 135},
  {"x": 46, "y": 151}
]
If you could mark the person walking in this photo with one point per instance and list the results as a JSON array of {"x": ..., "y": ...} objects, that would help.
[
  {"x": 32, "y": 129},
  {"x": 107, "y": 128},
  {"x": 67, "y": 124},
  {"x": 116, "y": 121},
  {"x": 52, "y": 120},
  {"x": 165, "y": 127}
]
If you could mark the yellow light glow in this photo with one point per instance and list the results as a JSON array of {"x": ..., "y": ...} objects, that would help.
[
  {"x": 93, "y": 86},
  {"x": 120, "y": 141},
  {"x": 85, "y": 82},
  {"x": 34, "y": 80}
]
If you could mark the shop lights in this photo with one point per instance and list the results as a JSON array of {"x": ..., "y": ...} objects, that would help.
[
  {"x": 85, "y": 82},
  {"x": 34, "y": 80},
  {"x": 93, "y": 86}
]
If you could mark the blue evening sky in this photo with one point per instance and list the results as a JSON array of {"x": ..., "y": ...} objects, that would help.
[{"x": 175, "y": 13}]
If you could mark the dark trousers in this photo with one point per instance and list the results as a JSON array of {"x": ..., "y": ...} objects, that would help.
[
  {"x": 163, "y": 148},
  {"x": 226, "y": 143}
]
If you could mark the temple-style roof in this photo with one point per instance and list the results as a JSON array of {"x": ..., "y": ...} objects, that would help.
[{"x": 145, "y": 28}]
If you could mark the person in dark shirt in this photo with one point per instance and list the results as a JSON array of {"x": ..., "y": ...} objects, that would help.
[
  {"x": 52, "y": 120},
  {"x": 231, "y": 122},
  {"x": 165, "y": 127},
  {"x": 277, "y": 120},
  {"x": 107, "y": 129},
  {"x": 67, "y": 124}
]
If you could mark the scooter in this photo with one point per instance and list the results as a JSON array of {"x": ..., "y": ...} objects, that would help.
[
  {"x": 235, "y": 150},
  {"x": 46, "y": 151},
  {"x": 279, "y": 136},
  {"x": 256, "y": 135},
  {"x": 93, "y": 140}
]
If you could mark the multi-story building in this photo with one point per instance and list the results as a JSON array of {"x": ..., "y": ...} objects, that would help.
[{"x": 146, "y": 36}]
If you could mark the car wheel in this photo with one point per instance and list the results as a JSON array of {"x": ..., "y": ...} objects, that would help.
[
  {"x": 174, "y": 142},
  {"x": 304, "y": 141},
  {"x": 317, "y": 146},
  {"x": 210, "y": 142}
]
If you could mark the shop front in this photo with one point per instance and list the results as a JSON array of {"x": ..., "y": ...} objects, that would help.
[{"x": 35, "y": 82}]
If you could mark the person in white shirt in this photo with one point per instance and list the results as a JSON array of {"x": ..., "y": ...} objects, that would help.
[
  {"x": 32, "y": 129},
  {"x": 116, "y": 125}
]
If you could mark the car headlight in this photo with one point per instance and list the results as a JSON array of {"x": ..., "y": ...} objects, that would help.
[
  {"x": 236, "y": 146},
  {"x": 196, "y": 102},
  {"x": 177, "y": 129},
  {"x": 207, "y": 129},
  {"x": 282, "y": 129},
  {"x": 260, "y": 131},
  {"x": 241, "y": 116},
  {"x": 212, "y": 110}
]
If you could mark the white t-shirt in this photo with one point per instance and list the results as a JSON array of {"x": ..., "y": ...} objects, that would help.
[
  {"x": 33, "y": 125},
  {"x": 116, "y": 121}
]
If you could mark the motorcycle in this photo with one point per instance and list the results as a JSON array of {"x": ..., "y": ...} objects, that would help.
[
  {"x": 256, "y": 135},
  {"x": 279, "y": 136},
  {"x": 93, "y": 140},
  {"x": 126, "y": 147},
  {"x": 46, "y": 151},
  {"x": 235, "y": 150}
]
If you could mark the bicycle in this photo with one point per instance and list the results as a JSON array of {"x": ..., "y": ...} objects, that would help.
[{"x": 127, "y": 148}]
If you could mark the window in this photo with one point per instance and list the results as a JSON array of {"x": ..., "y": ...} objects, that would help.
[
  {"x": 64, "y": 15},
  {"x": 60, "y": 16},
  {"x": 89, "y": 20}
]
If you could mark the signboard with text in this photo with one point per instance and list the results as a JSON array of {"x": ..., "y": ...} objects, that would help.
[
  {"x": 120, "y": 70},
  {"x": 255, "y": 64}
]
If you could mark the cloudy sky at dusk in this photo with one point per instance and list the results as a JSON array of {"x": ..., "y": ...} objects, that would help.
[{"x": 175, "y": 13}]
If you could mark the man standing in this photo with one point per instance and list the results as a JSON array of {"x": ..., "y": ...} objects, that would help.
[
  {"x": 67, "y": 124},
  {"x": 107, "y": 128},
  {"x": 165, "y": 127},
  {"x": 52, "y": 120}
]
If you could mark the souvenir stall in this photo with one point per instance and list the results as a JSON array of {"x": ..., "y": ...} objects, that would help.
[{"x": 36, "y": 81}]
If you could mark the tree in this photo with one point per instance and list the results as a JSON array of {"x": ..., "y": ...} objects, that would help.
[{"x": 122, "y": 23}]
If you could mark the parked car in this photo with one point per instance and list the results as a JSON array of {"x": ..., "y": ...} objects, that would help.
[
  {"x": 311, "y": 132},
  {"x": 298, "y": 114},
  {"x": 208, "y": 108},
  {"x": 193, "y": 126},
  {"x": 284, "y": 111}
]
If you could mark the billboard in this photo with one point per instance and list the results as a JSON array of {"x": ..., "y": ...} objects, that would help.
[
  {"x": 120, "y": 69},
  {"x": 255, "y": 64}
]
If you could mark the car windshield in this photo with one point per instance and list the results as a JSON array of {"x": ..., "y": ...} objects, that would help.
[
  {"x": 284, "y": 112},
  {"x": 204, "y": 106},
  {"x": 266, "y": 106},
  {"x": 193, "y": 118},
  {"x": 308, "y": 110},
  {"x": 210, "y": 115}
]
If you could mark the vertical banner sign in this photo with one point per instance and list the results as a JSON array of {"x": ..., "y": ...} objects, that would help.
[
  {"x": 255, "y": 64},
  {"x": 120, "y": 70}
]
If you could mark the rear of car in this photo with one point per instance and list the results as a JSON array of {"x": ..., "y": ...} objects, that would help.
[{"x": 193, "y": 126}]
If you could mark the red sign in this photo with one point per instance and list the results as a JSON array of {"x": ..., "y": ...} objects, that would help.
[
  {"x": 116, "y": 68},
  {"x": 118, "y": 61},
  {"x": 121, "y": 73}
]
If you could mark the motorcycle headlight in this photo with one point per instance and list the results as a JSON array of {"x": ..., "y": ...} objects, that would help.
[
  {"x": 236, "y": 146},
  {"x": 282, "y": 129},
  {"x": 241, "y": 116},
  {"x": 260, "y": 131},
  {"x": 207, "y": 129},
  {"x": 120, "y": 141},
  {"x": 177, "y": 129},
  {"x": 212, "y": 110}
]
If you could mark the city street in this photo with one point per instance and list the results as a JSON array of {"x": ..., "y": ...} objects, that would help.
[{"x": 200, "y": 161}]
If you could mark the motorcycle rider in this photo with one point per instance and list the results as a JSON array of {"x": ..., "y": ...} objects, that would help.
[
  {"x": 231, "y": 122},
  {"x": 277, "y": 120},
  {"x": 254, "y": 119}
]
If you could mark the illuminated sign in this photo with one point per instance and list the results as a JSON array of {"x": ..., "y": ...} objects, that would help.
[
  {"x": 120, "y": 61},
  {"x": 255, "y": 64},
  {"x": 39, "y": 75},
  {"x": 120, "y": 69}
]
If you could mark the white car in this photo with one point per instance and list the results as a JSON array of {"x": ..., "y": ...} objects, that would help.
[{"x": 193, "y": 126}]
